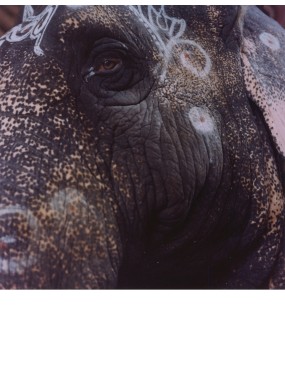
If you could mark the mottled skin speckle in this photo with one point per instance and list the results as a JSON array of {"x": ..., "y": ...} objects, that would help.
[{"x": 116, "y": 185}]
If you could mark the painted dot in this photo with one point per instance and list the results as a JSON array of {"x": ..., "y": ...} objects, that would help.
[
  {"x": 201, "y": 119},
  {"x": 189, "y": 59},
  {"x": 269, "y": 40},
  {"x": 186, "y": 58}
]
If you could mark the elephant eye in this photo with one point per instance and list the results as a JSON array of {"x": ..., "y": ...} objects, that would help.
[
  {"x": 104, "y": 65},
  {"x": 108, "y": 65},
  {"x": 112, "y": 67}
]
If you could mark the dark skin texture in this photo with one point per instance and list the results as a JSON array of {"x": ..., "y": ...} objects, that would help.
[
  {"x": 10, "y": 15},
  {"x": 106, "y": 181}
]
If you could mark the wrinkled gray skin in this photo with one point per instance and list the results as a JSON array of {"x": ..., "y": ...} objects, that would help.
[{"x": 142, "y": 147}]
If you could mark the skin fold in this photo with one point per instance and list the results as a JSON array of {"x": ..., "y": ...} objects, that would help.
[{"x": 142, "y": 147}]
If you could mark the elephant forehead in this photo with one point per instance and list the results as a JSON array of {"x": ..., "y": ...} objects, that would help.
[
  {"x": 156, "y": 18},
  {"x": 166, "y": 25},
  {"x": 191, "y": 28},
  {"x": 74, "y": 17},
  {"x": 174, "y": 33}
]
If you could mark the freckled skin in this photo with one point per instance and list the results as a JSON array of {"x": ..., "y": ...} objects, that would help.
[{"x": 120, "y": 184}]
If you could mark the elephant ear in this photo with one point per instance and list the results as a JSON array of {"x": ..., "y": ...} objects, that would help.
[{"x": 263, "y": 59}]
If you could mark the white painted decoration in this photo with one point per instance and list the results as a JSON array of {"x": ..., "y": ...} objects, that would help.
[
  {"x": 167, "y": 33},
  {"x": 270, "y": 41},
  {"x": 187, "y": 60},
  {"x": 32, "y": 27},
  {"x": 14, "y": 265},
  {"x": 201, "y": 119}
]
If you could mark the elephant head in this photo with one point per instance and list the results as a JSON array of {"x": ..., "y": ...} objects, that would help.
[{"x": 142, "y": 147}]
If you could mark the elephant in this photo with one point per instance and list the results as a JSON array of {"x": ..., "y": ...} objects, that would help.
[{"x": 142, "y": 147}]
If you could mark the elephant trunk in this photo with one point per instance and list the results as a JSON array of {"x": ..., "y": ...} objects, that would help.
[
  {"x": 64, "y": 243},
  {"x": 58, "y": 222}
]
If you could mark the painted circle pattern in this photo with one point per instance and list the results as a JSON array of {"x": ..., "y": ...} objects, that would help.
[
  {"x": 270, "y": 41},
  {"x": 201, "y": 119}
]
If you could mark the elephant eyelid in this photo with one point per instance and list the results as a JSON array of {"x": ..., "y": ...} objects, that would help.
[{"x": 109, "y": 44}]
